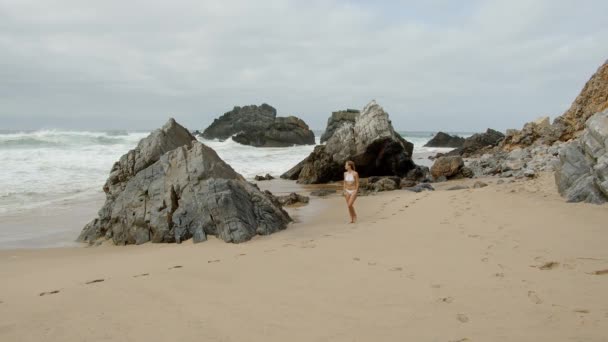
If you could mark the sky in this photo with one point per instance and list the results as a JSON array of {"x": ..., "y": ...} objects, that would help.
[{"x": 433, "y": 65}]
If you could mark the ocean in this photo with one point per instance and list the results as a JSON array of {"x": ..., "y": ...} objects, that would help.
[{"x": 48, "y": 168}]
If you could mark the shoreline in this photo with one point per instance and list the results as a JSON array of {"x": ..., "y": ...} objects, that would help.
[{"x": 504, "y": 262}]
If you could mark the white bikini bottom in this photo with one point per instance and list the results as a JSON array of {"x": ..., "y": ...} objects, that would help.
[{"x": 350, "y": 192}]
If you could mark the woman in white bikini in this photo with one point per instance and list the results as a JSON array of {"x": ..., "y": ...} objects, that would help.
[{"x": 351, "y": 186}]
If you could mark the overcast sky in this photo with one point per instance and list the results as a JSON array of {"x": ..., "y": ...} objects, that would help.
[{"x": 442, "y": 65}]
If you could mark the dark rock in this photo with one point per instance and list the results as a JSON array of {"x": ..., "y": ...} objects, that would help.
[
  {"x": 445, "y": 140},
  {"x": 283, "y": 132},
  {"x": 189, "y": 192},
  {"x": 371, "y": 143},
  {"x": 337, "y": 119},
  {"x": 241, "y": 119},
  {"x": 421, "y": 187},
  {"x": 292, "y": 199},
  {"x": 478, "y": 143},
  {"x": 419, "y": 174},
  {"x": 263, "y": 178},
  {"x": 322, "y": 192},
  {"x": 259, "y": 126}
]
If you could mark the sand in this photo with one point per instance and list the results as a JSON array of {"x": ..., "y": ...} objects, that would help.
[{"x": 509, "y": 262}]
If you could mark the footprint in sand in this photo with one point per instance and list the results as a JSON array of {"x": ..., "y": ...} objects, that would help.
[
  {"x": 48, "y": 293},
  {"x": 176, "y": 266},
  {"x": 499, "y": 275},
  {"x": 484, "y": 259},
  {"x": 600, "y": 272},
  {"x": 548, "y": 265},
  {"x": 213, "y": 261},
  {"x": 461, "y": 340},
  {"x": 436, "y": 286},
  {"x": 534, "y": 297},
  {"x": 371, "y": 263},
  {"x": 462, "y": 318},
  {"x": 288, "y": 245},
  {"x": 582, "y": 311},
  {"x": 269, "y": 250},
  {"x": 141, "y": 275},
  {"x": 396, "y": 269},
  {"x": 446, "y": 300},
  {"x": 95, "y": 281},
  {"x": 356, "y": 259}
]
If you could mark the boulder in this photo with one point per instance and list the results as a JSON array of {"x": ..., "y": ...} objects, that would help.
[
  {"x": 241, "y": 119},
  {"x": 419, "y": 174},
  {"x": 293, "y": 199},
  {"x": 582, "y": 172},
  {"x": 260, "y": 127},
  {"x": 383, "y": 183},
  {"x": 457, "y": 187},
  {"x": 370, "y": 142},
  {"x": 447, "y": 167},
  {"x": 337, "y": 119},
  {"x": 478, "y": 143},
  {"x": 187, "y": 192},
  {"x": 283, "y": 132},
  {"x": 442, "y": 139}
]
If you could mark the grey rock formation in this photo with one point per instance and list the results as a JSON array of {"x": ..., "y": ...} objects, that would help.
[
  {"x": 582, "y": 173},
  {"x": 187, "y": 192},
  {"x": 259, "y": 126},
  {"x": 337, "y": 119},
  {"x": 148, "y": 151},
  {"x": 442, "y": 139},
  {"x": 478, "y": 143},
  {"x": 371, "y": 143}
]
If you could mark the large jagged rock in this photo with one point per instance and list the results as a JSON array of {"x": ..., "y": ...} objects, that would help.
[
  {"x": 337, "y": 119},
  {"x": 283, "y": 132},
  {"x": 478, "y": 143},
  {"x": 539, "y": 131},
  {"x": 370, "y": 142},
  {"x": 592, "y": 99},
  {"x": 188, "y": 192},
  {"x": 169, "y": 137},
  {"x": 582, "y": 174},
  {"x": 442, "y": 139},
  {"x": 259, "y": 126}
]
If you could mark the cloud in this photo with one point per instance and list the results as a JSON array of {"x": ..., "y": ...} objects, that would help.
[{"x": 436, "y": 65}]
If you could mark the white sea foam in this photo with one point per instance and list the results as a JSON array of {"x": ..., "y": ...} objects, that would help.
[{"x": 40, "y": 168}]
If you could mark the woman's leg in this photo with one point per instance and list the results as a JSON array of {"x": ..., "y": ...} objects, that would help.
[
  {"x": 348, "y": 196},
  {"x": 351, "y": 207}
]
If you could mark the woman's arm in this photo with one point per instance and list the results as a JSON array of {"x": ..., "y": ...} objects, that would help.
[{"x": 357, "y": 181}]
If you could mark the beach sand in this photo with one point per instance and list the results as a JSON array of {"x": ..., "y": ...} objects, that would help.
[{"x": 509, "y": 262}]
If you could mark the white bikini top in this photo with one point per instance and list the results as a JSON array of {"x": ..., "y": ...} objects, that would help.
[{"x": 349, "y": 177}]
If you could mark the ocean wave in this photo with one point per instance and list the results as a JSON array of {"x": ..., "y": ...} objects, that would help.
[{"x": 55, "y": 139}]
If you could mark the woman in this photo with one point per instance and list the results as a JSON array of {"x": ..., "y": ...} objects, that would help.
[{"x": 351, "y": 186}]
